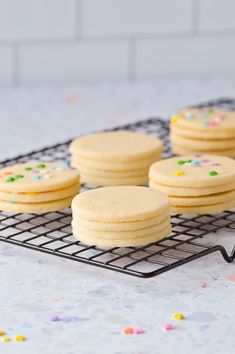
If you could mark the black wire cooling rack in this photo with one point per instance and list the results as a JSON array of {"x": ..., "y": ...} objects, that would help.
[{"x": 51, "y": 232}]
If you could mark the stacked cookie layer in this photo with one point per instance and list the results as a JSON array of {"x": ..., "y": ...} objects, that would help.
[
  {"x": 120, "y": 216},
  {"x": 115, "y": 158},
  {"x": 196, "y": 184},
  {"x": 205, "y": 130},
  {"x": 37, "y": 187}
]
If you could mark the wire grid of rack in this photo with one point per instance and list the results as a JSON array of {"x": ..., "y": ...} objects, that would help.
[{"x": 51, "y": 232}]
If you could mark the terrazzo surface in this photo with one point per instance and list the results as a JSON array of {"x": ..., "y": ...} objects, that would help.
[{"x": 94, "y": 304}]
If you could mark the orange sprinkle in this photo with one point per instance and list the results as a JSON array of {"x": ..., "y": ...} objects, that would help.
[{"x": 127, "y": 330}]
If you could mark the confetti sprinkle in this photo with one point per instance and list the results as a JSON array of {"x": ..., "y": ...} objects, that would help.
[
  {"x": 2, "y": 332},
  {"x": 188, "y": 115},
  {"x": 36, "y": 177},
  {"x": 198, "y": 155},
  {"x": 54, "y": 318},
  {"x": 137, "y": 331},
  {"x": 178, "y": 173},
  {"x": 18, "y": 338},
  {"x": 41, "y": 165},
  {"x": 28, "y": 168},
  {"x": 5, "y": 339},
  {"x": 210, "y": 110},
  {"x": 127, "y": 330},
  {"x": 178, "y": 316},
  {"x": 10, "y": 179},
  {"x": 194, "y": 163},
  {"x": 204, "y": 124},
  {"x": 213, "y": 173},
  {"x": 19, "y": 176},
  {"x": 7, "y": 173},
  {"x": 167, "y": 327},
  {"x": 212, "y": 123},
  {"x": 174, "y": 119},
  {"x": 215, "y": 164},
  {"x": 181, "y": 162}
]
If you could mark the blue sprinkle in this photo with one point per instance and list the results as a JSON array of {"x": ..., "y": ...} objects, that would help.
[
  {"x": 53, "y": 168},
  {"x": 204, "y": 124},
  {"x": 37, "y": 177},
  {"x": 194, "y": 163},
  {"x": 64, "y": 165}
]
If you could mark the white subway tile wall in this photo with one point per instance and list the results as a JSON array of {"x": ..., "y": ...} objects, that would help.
[{"x": 63, "y": 41}]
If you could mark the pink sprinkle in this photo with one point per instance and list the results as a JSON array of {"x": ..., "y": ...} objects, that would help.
[
  {"x": 167, "y": 327},
  {"x": 205, "y": 161},
  {"x": 137, "y": 331},
  {"x": 212, "y": 123},
  {"x": 215, "y": 164},
  {"x": 197, "y": 155},
  {"x": 54, "y": 318},
  {"x": 222, "y": 116}
]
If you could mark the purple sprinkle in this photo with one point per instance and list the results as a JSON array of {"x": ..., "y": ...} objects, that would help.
[
  {"x": 54, "y": 318},
  {"x": 215, "y": 164},
  {"x": 205, "y": 161},
  {"x": 197, "y": 155},
  {"x": 72, "y": 168}
]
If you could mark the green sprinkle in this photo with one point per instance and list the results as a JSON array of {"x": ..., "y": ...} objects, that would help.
[
  {"x": 210, "y": 110},
  {"x": 28, "y": 168},
  {"x": 40, "y": 165},
  {"x": 213, "y": 173},
  {"x": 19, "y": 176},
  {"x": 10, "y": 179},
  {"x": 189, "y": 161},
  {"x": 181, "y": 162}
]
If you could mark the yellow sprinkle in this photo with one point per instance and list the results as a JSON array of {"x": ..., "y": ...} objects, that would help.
[
  {"x": 5, "y": 339},
  {"x": 2, "y": 332},
  {"x": 178, "y": 173},
  {"x": 19, "y": 338},
  {"x": 178, "y": 316},
  {"x": 174, "y": 119}
]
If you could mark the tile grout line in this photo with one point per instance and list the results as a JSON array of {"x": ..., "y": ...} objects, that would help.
[
  {"x": 15, "y": 50},
  {"x": 132, "y": 59},
  {"x": 78, "y": 19},
  {"x": 195, "y": 16}
]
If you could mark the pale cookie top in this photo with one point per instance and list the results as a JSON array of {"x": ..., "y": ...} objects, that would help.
[
  {"x": 37, "y": 177},
  {"x": 205, "y": 119},
  {"x": 116, "y": 146},
  {"x": 119, "y": 204},
  {"x": 193, "y": 171}
]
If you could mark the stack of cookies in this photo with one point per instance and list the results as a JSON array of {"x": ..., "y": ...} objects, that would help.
[
  {"x": 115, "y": 158},
  {"x": 37, "y": 187},
  {"x": 205, "y": 130},
  {"x": 196, "y": 184},
  {"x": 120, "y": 216}
]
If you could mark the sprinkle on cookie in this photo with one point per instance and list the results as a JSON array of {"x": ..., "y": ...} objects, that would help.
[
  {"x": 167, "y": 327},
  {"x": 178, "y": 173},
  {"x": 178, "y": 316},
  {"x": 213, "y": 173}
]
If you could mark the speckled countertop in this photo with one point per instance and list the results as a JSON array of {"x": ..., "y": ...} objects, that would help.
[{"x": 94, "y": 305}]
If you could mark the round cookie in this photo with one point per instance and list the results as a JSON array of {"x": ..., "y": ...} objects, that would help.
[
  {"x": 206, "y": 145},
  {"x": 124, "y": 242},
  {"x": 116, "y": 146},
  {"x": 203, "y": 200},
  {"x": 117, "y": 235},
  {"x": 113, "y": 174},
  {"x": 121, "y": 226},
  {"x": 207, "y": 119},
  {"x": 114, "y": 166},
  {"x": 37, "y": 177},
  {"x": 204, "y": 209},
  {"x": 180, "y": 150},
  {"x": 202, "y": 135},
  {"x": 39, "y": 197},
  {"x": 192, "y": 192},
  {"x": 193, "y": 171},
  {"x": 120, "y": 204},
  {"x": 36, "y": 208},
  {"x": 100, "y": 181}
]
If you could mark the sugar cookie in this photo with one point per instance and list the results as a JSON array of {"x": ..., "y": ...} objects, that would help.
[
  {"x": 209, "y": 129},
  {"x": 37, "y": 187},
  {"x": 115, "y": 158}
]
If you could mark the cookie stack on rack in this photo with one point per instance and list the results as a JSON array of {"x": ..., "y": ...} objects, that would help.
[
  {"x": 206, "y": 130},
  {"x": 121, "y": 216},
  {"x": 115, "y": 158},
  {"x": 38, "y": 187},
  {"x": 196, "y": 184}
]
